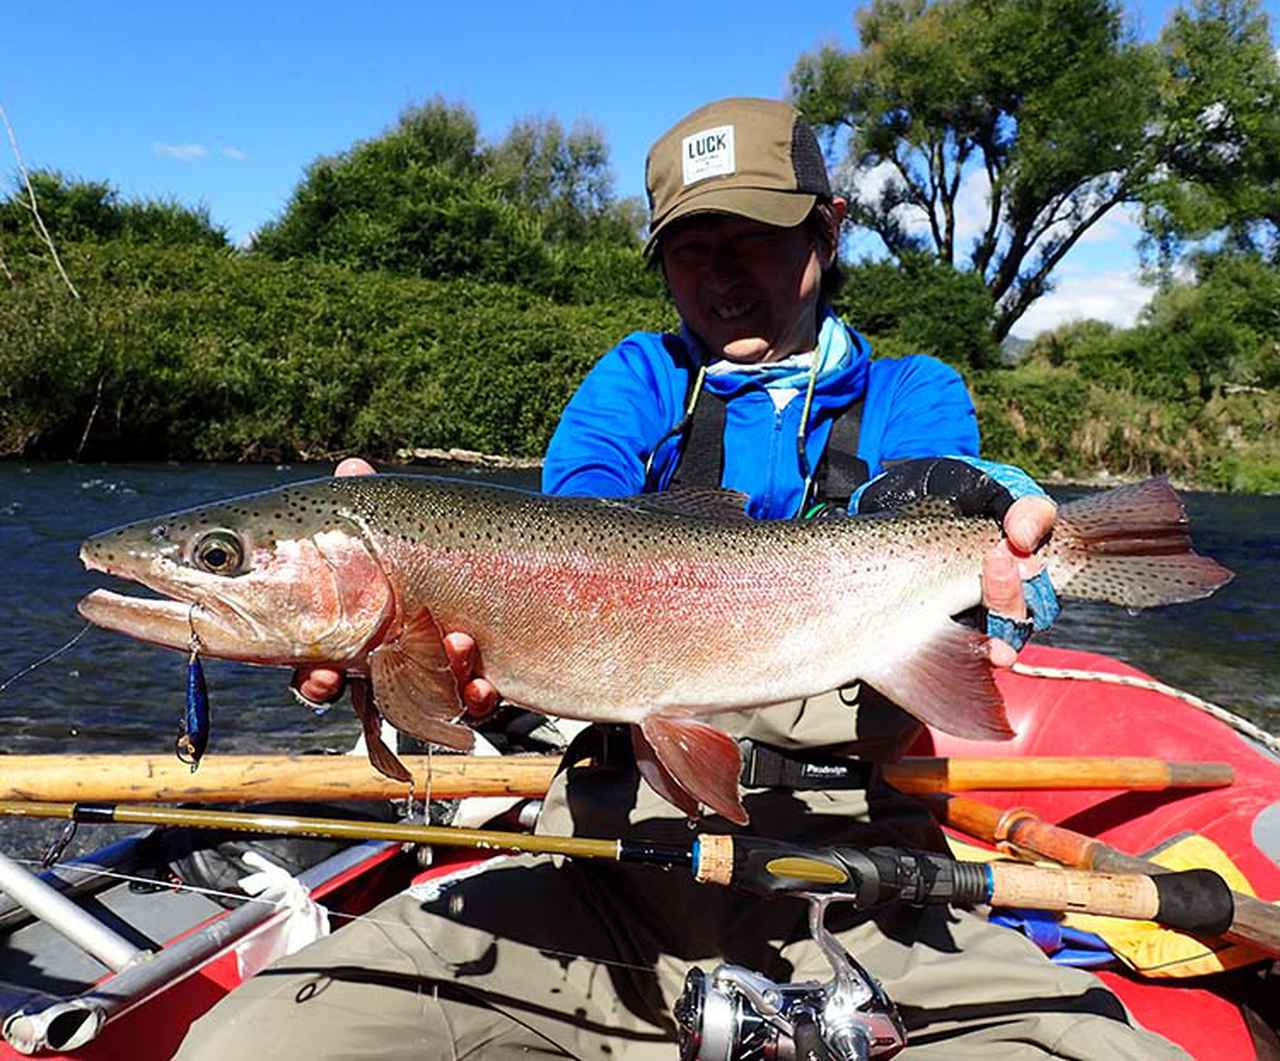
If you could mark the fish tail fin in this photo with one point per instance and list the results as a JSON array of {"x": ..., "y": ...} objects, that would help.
[
  {"x": 689, "y": 762},
  {"x": 1130, "y": 546}
]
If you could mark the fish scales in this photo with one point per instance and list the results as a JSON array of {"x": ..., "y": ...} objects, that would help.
[
  {"x": 653, "y": 611},
  {"x": 633, "y": 610}
]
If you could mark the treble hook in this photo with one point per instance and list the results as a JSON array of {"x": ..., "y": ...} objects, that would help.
[{"x": 193, "y": 732}]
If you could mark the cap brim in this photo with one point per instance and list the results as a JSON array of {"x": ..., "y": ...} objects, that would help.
[{"x": 771, "y": 206}]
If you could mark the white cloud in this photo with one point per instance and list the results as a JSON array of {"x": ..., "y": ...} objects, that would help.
[
  {"x": 182, "y": 152},
  {"x": 1116, "y": 296},
  {"x": 1119, "y": 226},
  {"x": 234, "y": 153}
]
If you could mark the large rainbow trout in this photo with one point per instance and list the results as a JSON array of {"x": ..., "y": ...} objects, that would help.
[{"x": 655, "y": 611}]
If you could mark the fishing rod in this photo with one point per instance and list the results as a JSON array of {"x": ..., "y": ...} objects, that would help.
[
  {"x": 735, "y": 1012},
  {"x": 1193, "y": 900}
]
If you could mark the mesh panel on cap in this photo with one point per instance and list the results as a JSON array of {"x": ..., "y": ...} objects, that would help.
[{"x": 806, "y": 158}]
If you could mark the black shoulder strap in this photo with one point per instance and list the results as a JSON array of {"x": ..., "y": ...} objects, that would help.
[
  {"x": 701, "y": 461},
  {"x": 702, "y": 452},
  {"x": 841, "y": 470}
]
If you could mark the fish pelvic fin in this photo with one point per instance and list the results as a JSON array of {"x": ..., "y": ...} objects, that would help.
[
  {"x": 689, "y": 762},
  {"x": 414, "y": 686},
  {"x": 1130, "y": 546},
  {"x": 946, "y": 681},
  {"x": 382, "y": 758}
]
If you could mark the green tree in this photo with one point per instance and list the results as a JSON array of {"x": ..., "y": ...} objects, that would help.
[
  {"x": 563, "y": 177},
  {"x": 1046, "y": 105},
  {"x": 921, "y": 306},
  {"x": 1220, "y": 88},
  {"x": 414, "y": 200},
  {"x": 429, "y": 198}
]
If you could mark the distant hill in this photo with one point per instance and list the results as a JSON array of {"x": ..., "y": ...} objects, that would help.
[{"x": 1013, "y": 349}]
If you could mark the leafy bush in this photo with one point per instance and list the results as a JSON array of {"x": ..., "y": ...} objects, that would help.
[
  {"x": 428, "y": 199},
  {"x": 192, "y": 353},
  {"x": 78, "y": 211}
]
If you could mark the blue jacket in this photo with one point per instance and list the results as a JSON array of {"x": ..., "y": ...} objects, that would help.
[{"x": 635, "y": 394}]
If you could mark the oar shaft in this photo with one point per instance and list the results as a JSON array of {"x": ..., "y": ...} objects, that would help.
[
  {"x": 236, "y": 778},
  {"x": 1254, "y": 921},
  {"x": 925, "y": 775}
]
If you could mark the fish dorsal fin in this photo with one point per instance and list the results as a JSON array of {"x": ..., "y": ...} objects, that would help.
[
  {"x": 945, "y": 679},
  {"x": 382, "y": 758},
  {"x": 414, "y": 686},
  {"x": 702, "y": 502},
  {"x": 703, "y": 762}
]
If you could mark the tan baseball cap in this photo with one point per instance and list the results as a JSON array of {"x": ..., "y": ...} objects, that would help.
[{"x": 752, "y": 157}]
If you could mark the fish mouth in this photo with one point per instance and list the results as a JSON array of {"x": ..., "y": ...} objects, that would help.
[
  {"x": 161, "y": 622},
  {"x": 167, "y": 621}
]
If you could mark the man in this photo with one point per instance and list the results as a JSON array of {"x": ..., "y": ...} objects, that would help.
[{"x": 765, "y": 391}]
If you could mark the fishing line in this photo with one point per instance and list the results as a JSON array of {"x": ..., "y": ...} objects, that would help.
[{"x": 45, "y": 659}]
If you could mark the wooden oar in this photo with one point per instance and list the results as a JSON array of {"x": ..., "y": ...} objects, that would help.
[
  {"x": 259, "y": 778},
  {"x": 240, "y": 778},
  {"x": 921, "y": 775},
  {"x": 1024, "y": 833}
]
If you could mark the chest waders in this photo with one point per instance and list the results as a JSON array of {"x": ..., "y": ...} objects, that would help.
[{"x": 700, "y": 463}]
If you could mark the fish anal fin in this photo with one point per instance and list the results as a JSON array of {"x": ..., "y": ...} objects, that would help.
[
  {"x": 414, "y": 686},
  {"x": 946, "y": 680},
  {"x": 703, "y": 762},
  {"x": 382, "y": 758}
]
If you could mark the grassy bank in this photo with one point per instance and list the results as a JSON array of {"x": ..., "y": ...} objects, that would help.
[{"x": 200, "y": 353}]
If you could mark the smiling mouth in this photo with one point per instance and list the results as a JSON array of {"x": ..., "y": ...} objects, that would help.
[{"x": 732, "y": 311}]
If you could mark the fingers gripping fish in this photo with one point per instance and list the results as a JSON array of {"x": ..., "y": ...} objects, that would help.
[{"x": 657, "y": 611}]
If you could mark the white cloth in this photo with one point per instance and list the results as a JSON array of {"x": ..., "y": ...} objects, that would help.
[{"x": 304, "y": 920}]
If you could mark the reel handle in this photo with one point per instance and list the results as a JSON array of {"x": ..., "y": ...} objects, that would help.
[{"x": 1196, "y": 900}]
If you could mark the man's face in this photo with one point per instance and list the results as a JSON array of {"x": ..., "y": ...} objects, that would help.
[{"x": 748, "y": 290}]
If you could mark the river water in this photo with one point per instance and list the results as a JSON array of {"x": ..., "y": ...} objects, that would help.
[{"x": 108, "y": 693}]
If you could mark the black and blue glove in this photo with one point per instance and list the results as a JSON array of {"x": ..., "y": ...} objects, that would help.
[{"x": 974, "y": 487}]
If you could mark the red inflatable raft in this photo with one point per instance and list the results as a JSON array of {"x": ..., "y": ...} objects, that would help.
[{"x": 1069, "y": 717}]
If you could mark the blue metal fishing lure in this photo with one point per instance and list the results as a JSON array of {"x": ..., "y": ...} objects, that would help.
[{"x": 193, "y": 735}]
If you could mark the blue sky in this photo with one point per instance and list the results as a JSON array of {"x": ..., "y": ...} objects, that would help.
[{"x": 227, "y": 104}]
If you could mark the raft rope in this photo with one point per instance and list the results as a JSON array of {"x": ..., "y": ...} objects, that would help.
[{"x": 1236, "y": 722}]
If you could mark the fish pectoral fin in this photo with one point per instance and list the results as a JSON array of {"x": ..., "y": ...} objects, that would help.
[
  {"x": 414, "y": 686},
  {"x": 946, "y": 680},
  {"x": 382, "y": 758},
  {"x": 692, "y": 763}
]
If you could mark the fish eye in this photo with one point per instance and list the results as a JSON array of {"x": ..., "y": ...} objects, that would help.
[{"x": 219, "y": 552}]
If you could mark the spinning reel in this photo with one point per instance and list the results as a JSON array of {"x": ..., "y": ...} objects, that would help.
[{"x": 735, "y": 1014}]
